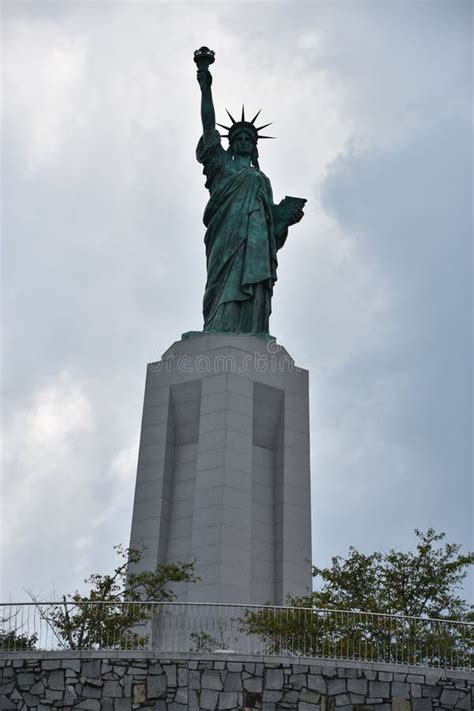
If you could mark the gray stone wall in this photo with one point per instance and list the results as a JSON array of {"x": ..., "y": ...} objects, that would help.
[{"x": 123, "y": 681}]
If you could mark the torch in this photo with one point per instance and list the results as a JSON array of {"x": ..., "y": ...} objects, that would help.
[{"x": 204, "y": 57}]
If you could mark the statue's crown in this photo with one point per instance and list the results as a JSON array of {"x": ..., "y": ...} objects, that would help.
[{"x": 243, "y": 125}]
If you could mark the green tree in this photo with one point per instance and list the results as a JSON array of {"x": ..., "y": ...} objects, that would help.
[
  {"x": 13, "y": 640},
  {"x": 14, "y": 631},
  {"x": 378, "y": 589},
  {"x": 118, "y": 609}
]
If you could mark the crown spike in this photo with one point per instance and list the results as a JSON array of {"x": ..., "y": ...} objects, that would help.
[
  {"x": 243, "y": 113},
  {"x": 256, "y": 116},
  {"x": 260, "y": 128},
  {"x": 230, "y": 116},
  {"x": 266, "y": 137},
  {"x": 227, "y": 128}
]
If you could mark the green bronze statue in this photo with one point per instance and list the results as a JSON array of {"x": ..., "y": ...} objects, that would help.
[{"x": 245, "y": 229}]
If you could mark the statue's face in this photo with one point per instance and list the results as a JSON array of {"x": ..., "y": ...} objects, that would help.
[{"x": 242, "y": 144}]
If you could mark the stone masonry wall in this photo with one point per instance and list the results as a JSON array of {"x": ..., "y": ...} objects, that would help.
[{"x": 222, "y": 682}]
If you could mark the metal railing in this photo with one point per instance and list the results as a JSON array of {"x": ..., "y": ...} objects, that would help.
[{"x": 242, "y": 629}]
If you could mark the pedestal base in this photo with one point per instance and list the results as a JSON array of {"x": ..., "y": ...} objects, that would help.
[{"x": 223, "y": 472}]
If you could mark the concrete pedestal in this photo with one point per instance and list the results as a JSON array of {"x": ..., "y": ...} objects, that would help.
[{"x": 223, "y": 469}]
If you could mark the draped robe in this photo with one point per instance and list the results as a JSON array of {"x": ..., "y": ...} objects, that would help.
[{"x": 241, "y": 244}]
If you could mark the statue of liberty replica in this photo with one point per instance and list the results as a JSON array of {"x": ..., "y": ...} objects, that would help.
[
  {"x": 223, "y": 475},
  {"x": 245, "y": 229}
]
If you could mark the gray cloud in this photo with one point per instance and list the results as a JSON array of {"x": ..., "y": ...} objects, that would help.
[
  {"x": 103, "y": 210},
  {"x": 409, "y": 213}
]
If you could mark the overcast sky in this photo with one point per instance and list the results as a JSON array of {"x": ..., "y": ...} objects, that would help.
[{"x": 103, "y": 256}]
